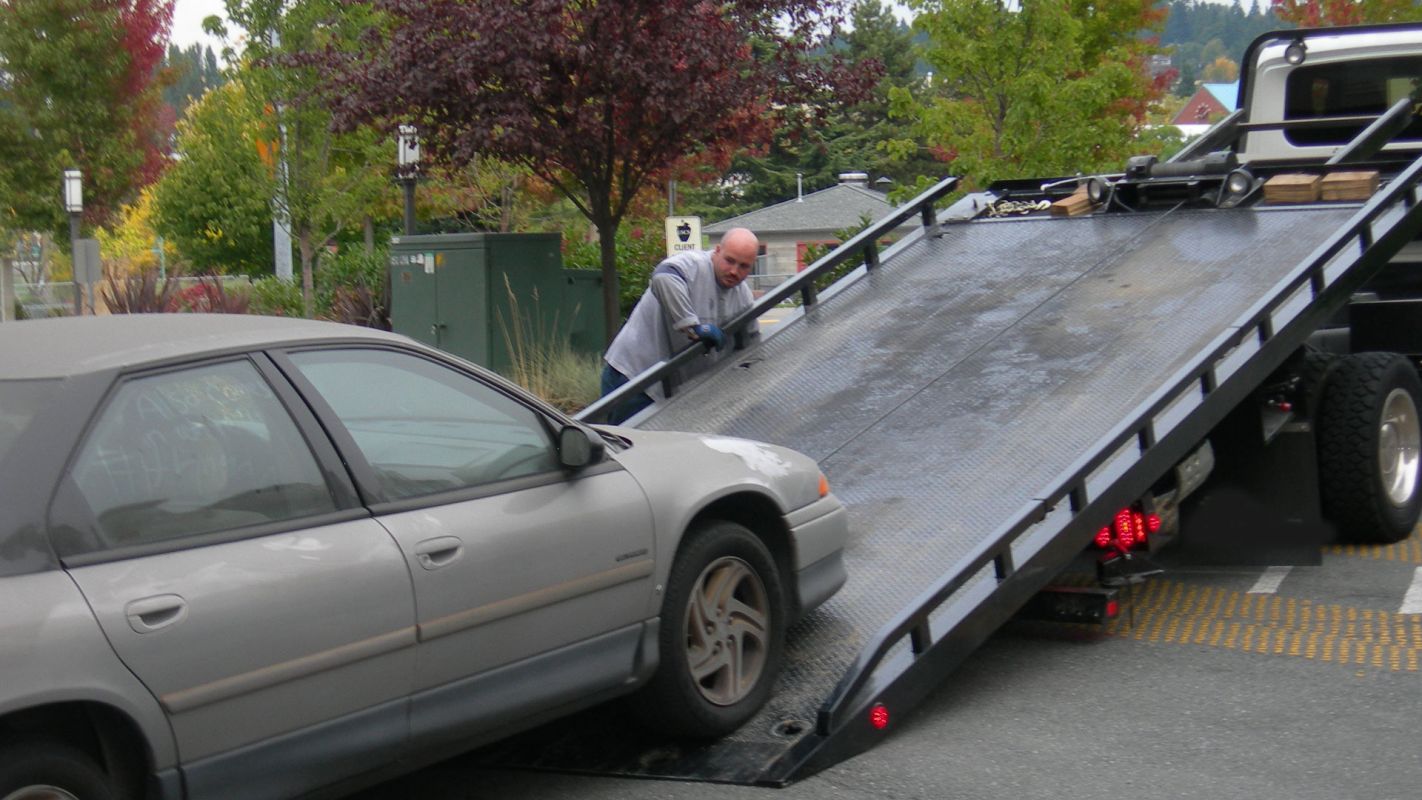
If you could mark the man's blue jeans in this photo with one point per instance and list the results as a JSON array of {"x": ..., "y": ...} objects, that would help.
[{"x": 611, "y": 379}]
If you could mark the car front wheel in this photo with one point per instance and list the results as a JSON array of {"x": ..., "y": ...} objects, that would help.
[
  {"x": 722, "y": 635},
  {"x": 50, "y": 772}
]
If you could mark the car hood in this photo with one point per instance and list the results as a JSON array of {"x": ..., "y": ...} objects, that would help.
[{"x": 711, "y": 466}]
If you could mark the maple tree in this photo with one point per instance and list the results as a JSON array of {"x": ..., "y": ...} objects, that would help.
[
  {"x": 597, "y": 98},
  {"x": 79, "y": 87}
]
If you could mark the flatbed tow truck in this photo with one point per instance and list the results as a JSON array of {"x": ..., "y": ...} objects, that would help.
[{"x": 995, "y": 392}]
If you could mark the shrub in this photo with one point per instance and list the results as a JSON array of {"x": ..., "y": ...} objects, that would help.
[
  {"x": 275, "y": 297},
  {"x": 543, "y": 361},
  {"x": 640, "y": 247}
]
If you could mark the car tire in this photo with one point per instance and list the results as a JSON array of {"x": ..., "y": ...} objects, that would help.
[
  {"x": 722, "y": 635},
  {"x": 51, "y": 771},
  {"x": 1368, "y": 447}
]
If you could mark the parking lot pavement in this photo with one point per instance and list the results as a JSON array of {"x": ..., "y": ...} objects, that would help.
[{"x": 1219, "y": 683}]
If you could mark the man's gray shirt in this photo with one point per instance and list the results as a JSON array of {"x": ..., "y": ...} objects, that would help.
[{"x": 682, "y": 292}]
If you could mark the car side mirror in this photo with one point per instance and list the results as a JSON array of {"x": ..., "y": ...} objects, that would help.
[{"x": 579, "y": 447}]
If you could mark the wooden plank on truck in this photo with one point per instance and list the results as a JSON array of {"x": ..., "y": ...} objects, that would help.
[
  {"x": 1292, "y": 188},
  {"x": 1348, "y": 185}
]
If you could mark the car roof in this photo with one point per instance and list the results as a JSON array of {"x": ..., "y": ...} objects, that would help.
[{"x": 67, "y": 346}]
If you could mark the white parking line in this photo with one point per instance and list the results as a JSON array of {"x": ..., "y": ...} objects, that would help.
[
  {"x": 1268, "y": 583},
  {"x": 1412, "y": 601}
]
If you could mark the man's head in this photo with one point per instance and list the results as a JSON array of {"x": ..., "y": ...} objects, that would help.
[{"x": 734, "y": 258}]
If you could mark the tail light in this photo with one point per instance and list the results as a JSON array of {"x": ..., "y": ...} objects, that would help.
[{"x": 1129, "y": 530}]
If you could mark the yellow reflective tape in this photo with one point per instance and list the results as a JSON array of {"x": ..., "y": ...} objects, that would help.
[{"x": 1175, "y": 613}]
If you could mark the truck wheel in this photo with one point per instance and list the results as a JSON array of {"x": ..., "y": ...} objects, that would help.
[
  {"x": 51, "y": 771},
  {"x": 722, "y": 635},
  {"x": 1369, "y": 440}
]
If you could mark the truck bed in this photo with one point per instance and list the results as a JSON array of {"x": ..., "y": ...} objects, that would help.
[{"x": 944, "y": 392}]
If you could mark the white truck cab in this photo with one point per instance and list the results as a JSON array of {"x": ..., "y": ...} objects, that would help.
[{"x": 1306, "y": 93}]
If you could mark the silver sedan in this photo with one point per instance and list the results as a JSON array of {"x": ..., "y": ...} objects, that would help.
[{"x": 257, "y": 557}]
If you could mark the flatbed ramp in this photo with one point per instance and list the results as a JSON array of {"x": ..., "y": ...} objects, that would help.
[{"x": 970, "y": 400}]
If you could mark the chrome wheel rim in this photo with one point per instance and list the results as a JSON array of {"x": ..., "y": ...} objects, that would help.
[
  {"x": 727, "y": 631},
  {"x": 40, "y": 792},
  {"x": 1399, "y": 441}
]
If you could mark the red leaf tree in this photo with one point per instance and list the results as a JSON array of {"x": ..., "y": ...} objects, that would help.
[
  {"x": 1317, "y": 13},
  {"x": 597, "y": 97}
]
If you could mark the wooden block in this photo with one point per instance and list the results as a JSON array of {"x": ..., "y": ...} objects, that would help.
[
  {"x": 1349, "y": 185},
  {"x": 1073, "y": 205},
  {"x": 1292, "y": 188}
]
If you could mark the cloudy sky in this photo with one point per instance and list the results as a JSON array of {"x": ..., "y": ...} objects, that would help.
[{"x": 187, "y": 21}]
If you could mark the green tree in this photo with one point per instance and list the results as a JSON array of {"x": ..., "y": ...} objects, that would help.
[
  {"x": 324, "y": 182},
  {"x": 192, "y": 71},
  {"x": 1040, "y": 89},
  {"x": 78, "y": 88},
  {"x": 849, "y": 139},
  {"x": 212, "y": 204}
]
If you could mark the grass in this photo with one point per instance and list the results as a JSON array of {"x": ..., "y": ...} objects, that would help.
[{"x": 544, "y": 362}]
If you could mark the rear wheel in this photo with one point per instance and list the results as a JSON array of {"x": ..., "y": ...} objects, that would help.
[
  {"x": 722, "y": 635},
  {"x": 47, "y": 771},
  {"x": 1369, "y": 442}
]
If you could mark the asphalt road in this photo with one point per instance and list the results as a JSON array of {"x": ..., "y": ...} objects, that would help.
[{"x": 1215, "y": 683}]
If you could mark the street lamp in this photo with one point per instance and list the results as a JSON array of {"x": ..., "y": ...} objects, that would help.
[
  {"x": 408, "y": 160},
  {"x": 74, "y": 205}
]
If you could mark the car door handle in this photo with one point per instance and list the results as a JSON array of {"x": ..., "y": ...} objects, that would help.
[
  {"x": 155, "y": 613},
  {"x": 440, "y": 552}
]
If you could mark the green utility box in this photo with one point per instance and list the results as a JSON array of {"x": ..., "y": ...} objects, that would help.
[{"x": 484, "y": 296}]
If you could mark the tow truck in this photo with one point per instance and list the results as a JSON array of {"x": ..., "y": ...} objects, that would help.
[{"x": 1183, "y": 354}]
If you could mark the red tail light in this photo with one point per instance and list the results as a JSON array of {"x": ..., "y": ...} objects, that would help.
[
  {"x": 1128, "y": 530},
  {"x": 879, "y": 717}
]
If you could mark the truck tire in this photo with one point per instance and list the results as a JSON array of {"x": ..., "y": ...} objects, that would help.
[
  {"x": 722, "y": 635},
  {"x": 51, "y": 771},
  {"x": 1368, "y": 446}
]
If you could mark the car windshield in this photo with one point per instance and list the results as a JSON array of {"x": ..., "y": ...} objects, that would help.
[{"x": 18, "y": 402}]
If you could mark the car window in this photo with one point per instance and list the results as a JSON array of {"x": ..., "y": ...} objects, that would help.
[
  {"x": 425, "y": 428},
  {"x": 1350, "y": 88},
  {"x": 196, "y": 451}
]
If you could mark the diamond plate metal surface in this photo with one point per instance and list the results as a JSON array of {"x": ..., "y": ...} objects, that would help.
[
  {"x": 941, "y": 394},
  {"x": 946, "y": 390}
]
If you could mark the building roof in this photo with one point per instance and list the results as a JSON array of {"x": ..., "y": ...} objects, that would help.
[
  {"x": 1226, "y": 93},
  {"x": 828, "y": 210}
]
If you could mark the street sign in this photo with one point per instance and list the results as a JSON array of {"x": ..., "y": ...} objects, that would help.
[{"x": 683, "y": 233}]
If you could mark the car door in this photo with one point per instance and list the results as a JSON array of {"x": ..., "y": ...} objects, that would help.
[
  {"x": 234, "y": 572},
  {"x": 531, "y": 582}
]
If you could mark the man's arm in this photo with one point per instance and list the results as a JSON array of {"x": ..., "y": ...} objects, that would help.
[{"x": 669, "y": 285}]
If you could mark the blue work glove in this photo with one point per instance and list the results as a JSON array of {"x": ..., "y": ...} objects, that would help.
[{"x": 710, "y": 335}]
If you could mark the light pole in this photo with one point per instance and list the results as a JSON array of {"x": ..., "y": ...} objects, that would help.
[
  {"x": 407, "y": 160},
  {"x": 74, "y": 205}
]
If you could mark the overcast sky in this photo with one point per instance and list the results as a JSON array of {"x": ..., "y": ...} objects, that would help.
[{"x": 187, "y": 22}]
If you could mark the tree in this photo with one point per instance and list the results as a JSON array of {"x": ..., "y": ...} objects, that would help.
[
  {"x": 1221, "y": 70},
  {"x": 193, "y": 70},
  {"x": 849, "y": 139},
  {"x": 1315, "y": 13},
  {"x": 595, "y": 97},
  {"x": 325, "y": 181},
  {"x": 213, "y": 203},
  {"x": 1047, "y": 88},
  {"x": 79, "y": 83}
]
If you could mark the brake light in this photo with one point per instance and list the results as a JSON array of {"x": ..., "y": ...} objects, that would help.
[
  {"x": 879, "y": 717},
  {"x": 1129, "y": 530}
]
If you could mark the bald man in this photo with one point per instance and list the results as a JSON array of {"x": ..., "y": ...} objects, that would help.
[{"x": 689, "y": 297}]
